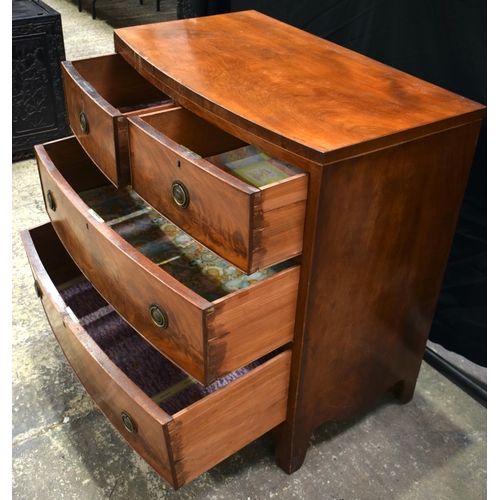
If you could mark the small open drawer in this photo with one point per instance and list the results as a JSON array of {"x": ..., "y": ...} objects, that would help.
[
  {"x": 100, "y": 93},
  {"x": 178, "y": 426},
  {"x": 204, "y": 314},
  {"x": 253, "y": 216}
]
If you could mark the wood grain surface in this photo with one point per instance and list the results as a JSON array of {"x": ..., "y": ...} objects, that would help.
[
  {"x": 214, "y": 428},
  {"x": 253, "y": 320},
  {"x": 376, "y": 273},
  {"x": 293, "y": 89}
]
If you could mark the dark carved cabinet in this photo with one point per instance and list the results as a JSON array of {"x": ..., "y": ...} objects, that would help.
[{"x": 38, "y": 106}]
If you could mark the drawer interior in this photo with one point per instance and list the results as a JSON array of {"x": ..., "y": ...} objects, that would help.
[
  {"x": 168, "y": 246},
  {"x": 167, "y": 385},
  {"x": 104, "y": 72},
  {"x": 244, "y": 161},
  {"x": 149, "y": 232}
]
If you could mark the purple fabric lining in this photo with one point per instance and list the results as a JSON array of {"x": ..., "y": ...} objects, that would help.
[
  {"x": 141, "y": 362},
  {"x": 83, "y": 299}
]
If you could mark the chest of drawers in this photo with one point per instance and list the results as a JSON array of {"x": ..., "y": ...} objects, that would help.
[{"x": 249, "y": 229}]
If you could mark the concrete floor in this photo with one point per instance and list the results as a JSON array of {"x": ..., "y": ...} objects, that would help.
[{"x": 432, "y": 448}]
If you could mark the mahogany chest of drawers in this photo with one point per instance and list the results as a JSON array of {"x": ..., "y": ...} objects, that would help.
[{"x": 249, "y": 229}]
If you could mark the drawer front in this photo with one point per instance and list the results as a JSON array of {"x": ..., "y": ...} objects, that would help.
[
  {"x": 207, "y": 339},
  {"x": 111, "y": 390},
  {"x": 180, "y": 446},
  {"x": 251, "y": 227},
  {"x": 100, "y": 128},
  {"x": 97, "y": 108}
]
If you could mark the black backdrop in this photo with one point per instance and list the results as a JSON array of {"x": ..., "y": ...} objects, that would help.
[{"x": 442, "y": 42}]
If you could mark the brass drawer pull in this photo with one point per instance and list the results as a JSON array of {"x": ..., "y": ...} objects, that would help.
[
  {"x": 180, "y": 194},
  {"x": 128, "y": 423},
  {"x": 84, "y": 124},
  {"x": 159, "y": 318},
  {"x": 50, "y": 201}
]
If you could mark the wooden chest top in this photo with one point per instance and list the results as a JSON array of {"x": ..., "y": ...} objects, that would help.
[{"x": 293, "y": 89}]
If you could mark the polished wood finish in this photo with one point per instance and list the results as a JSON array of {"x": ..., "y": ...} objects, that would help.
[
  {"x": 253, "y": 228},
  {"x": 90, "y": 87},
  {"x": 388, "y": 157},
  {"x": 363, "y": 325},
  {"x": 270, "y": 305},
  {"x": 206, "y": 339},
  {"x": 281, "y": 230},
  {"x": 178, "y": 447},
  {"x": 275, "y": 83}
]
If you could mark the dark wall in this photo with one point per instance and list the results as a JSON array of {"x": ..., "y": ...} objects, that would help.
[{"x": 442, "y": 42}]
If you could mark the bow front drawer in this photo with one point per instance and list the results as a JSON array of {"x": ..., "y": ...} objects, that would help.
[
  {"x": 244, "y": 204},
  {"x": 100, "y": 93},
  {"x": 178, "y": 426},
  {"x": 203, "y": 313}
]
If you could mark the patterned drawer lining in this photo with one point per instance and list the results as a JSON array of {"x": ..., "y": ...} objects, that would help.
[{"x": 168, "y": 246}]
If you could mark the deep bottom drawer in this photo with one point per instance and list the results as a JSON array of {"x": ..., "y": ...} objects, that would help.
[{"x": 180, "y": 427}]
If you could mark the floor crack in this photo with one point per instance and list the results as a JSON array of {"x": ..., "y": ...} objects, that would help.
[
  {"x": 40, "y": 431},
  {"x": 33, "y": 434}
]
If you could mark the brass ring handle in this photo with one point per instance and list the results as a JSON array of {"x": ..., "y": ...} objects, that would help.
[
  {"x": 50, "y": 201},
  {"x": 128, "y": 423},
  {"x": 158, "y": 316},
  {"x": 84, "y": 124},
  {"x": 180, "y": 194}
]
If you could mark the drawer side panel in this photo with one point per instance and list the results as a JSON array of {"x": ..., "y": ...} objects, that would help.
[
  {"x": 258, "y": 322},
  {"x": 214, "y": 428},
  {"x": 279, "y": 233}
]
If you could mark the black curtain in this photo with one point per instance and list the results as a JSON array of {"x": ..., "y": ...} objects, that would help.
[{"x": 442, "y": 42}]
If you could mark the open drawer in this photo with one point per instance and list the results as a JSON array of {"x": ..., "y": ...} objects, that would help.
[
  {"x": 237, "y": 200},
  {"x": 178, "y": 426},
  {"x": 204, "y": 314},
  {"x": 100, "y": 93}
]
